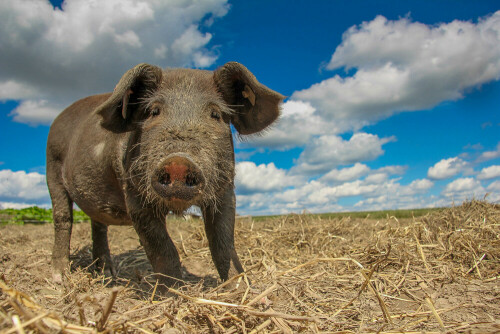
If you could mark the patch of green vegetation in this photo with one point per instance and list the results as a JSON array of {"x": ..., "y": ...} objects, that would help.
[
  {"x": 399, "y": 214},
  {"x": 80, "y": 216},
  {"x": 34, "y": 215}
]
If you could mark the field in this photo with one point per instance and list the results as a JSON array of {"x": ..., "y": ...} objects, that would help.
[{"x": 439, "y": 272}]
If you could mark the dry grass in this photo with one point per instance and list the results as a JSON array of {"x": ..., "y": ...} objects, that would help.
[{"x": 437, "y": 273}]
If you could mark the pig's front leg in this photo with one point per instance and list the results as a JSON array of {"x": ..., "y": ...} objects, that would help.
[
  {"x": 152, "y": 231},
  {"x": 158, "y": 245},
  {"x": 219, "y": 227}
]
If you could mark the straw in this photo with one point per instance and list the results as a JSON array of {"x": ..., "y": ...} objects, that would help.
[{"x": 433, "y": 273}]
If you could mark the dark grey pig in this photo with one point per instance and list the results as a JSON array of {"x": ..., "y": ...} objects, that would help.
[{"x": 160, "y": 142}]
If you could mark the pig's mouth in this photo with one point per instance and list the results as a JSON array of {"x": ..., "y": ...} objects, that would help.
[{"x": 178, "y": 180}]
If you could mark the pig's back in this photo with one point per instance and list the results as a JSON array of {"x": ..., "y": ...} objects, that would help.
[{"x": 66, "y": 124}]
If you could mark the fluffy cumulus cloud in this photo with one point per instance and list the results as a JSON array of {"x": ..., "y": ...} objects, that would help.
[
  {"x": 35, "y": 112},
  {"x": 375, "y": 189},
  {"x": 404, "y": 65},
  {"x": 347, "y": 174},
  {"x": 391, "y": 195},
  {"x": 494, "y": 186},
  {"x": 297, "y": 124},
  {"x": 317, "y": 196},
  {"x": 489, "y": 173},
  {"x": 324, "y": 153},
  {"x": 50, "y": 57},
  {"x": 399, "y": 66},
  {"x": 446, "y": 168},
  {"x": 464, "y": 188},
  {"x": 359, "y": 187},
  {"x": 493, "y": 194},
  {"x": 23, "y": 188},
  {"x": 251, "y": 178},
  {"x": 358, "y": 171},
  {"x": 490, "y": 155}
]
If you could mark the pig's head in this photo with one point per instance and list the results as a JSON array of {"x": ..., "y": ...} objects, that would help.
[{"x": 180, "y": 152}]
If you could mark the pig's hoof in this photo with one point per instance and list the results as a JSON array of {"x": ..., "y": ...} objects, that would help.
[
  {"x": 104, "y": 267},
  {"x": 107, "y": 271}
]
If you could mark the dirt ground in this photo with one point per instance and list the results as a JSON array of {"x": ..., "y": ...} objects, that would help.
[{"x": 437, "y": 273}]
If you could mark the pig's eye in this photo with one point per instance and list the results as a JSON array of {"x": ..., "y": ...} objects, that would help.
[
  {"x": 215, "y": 114},
  {"x": 155, "y": 111}
]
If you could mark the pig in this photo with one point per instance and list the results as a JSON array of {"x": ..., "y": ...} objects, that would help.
[{"x": 160, "y": 142}]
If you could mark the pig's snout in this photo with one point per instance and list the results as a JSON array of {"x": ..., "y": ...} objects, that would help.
[{"x": 178, "y": 178}]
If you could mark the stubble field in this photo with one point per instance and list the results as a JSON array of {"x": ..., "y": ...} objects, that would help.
[{"x": 434, "y": 273}]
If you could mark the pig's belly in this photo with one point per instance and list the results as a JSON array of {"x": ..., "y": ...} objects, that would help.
[
  {"x": 105, "y": 213},
  {"x": 100, "y": 201}
]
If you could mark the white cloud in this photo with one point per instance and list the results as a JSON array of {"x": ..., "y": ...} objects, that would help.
[
  {"x": 420, "y": 185},
  {"x": 404, "y": 65},
  {"x": 346, "y": 174},
  {"x": 392, "y": 195},
  {"x": 12, "y": 90},
  {"x": 463, "y": 188},
  {"x": 251, "y": 178},
  {"x": 494, "y": 186},
  {"x": 203, "y": 59},
  {"x": 190, "y": 41},
  {"x": 23, "y": 187},
  {"x": 377, "y": 190},
  {"x": 59, "y": 56},
  {"x": 446, "y": 168},
  {"x": 393, "y": 169},
  {"x": 35, "y": 112},
  {"x": 295, "y": 127},
  {"x": 358, "y": 171},
  {"x": 356, "y": 101},
  {"x": 474, "y": 147},
  {"x": 490, "y": 172},
  {"x": 490, "y": 155},
  {"x": 494, "y": 192},
  {"x": 327, "y": 152},
  {"x": 348, "y": 189},
  {"x": 377, "y": 178}
]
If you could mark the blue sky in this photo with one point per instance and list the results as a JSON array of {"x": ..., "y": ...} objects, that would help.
[{"x": 391, "y": 104}]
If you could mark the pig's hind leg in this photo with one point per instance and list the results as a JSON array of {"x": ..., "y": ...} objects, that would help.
[{"x": 100, "y": 249}]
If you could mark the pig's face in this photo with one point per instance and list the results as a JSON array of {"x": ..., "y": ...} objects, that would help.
[
  {"x": 180, "y": 152},
  {"x": 184, "y": 153}
]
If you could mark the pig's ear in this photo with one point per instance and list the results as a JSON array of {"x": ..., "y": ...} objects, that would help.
[
  {"x": 134, "y": 84},
  {"x": 255, "y": 105}
]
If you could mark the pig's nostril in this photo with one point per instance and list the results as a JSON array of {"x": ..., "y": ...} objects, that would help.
[
  {"x": 165, "y": 179},
  {"x": 191, "y": 180}
]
